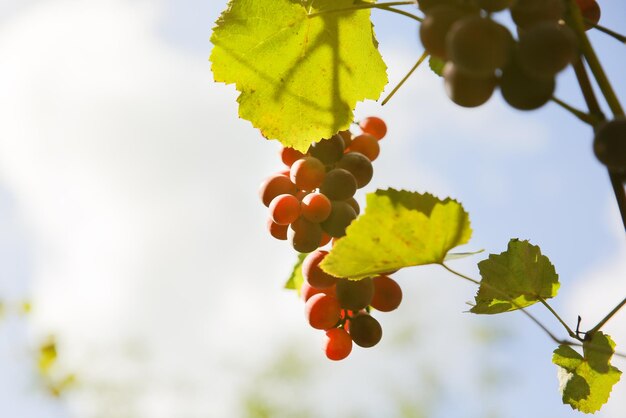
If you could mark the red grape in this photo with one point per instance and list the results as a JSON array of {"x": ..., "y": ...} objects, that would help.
[
  {"x": 304, "y": 235},
  {"x": 365, "y": 330},
  {"x": 374, "y": 126},
  {"x": 277, "y": 231},
  {"x": 312, "y": 272},
  {"x": 274, "y": 186},
  {"x": 316, "y": 207},
  {"x": 367, "y": 145},
  {"x": 290, "y": 155},
  {"x": 337, "y": 344},
  {"x": 284, "y": 209},
  {"x": 322, "y": 311},
  {"x": 307, "y": 173},
  {"x": 387, "y": 294},
  {"x": 355, "y": 294}
]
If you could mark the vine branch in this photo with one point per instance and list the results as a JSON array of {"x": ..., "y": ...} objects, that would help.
[
  {"x": 405, "y": 78},
  {"x": 583, "y": 116},
  {"x": 558, "y": 317},
  {"x": 607, "y": 31},
  {"x": 606, "y": 318},
  {"x": 360, "y": 6}
]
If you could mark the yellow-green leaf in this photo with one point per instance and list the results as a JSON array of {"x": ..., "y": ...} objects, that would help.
[
  {"x": 300, "y": 77},
  {"x": 398, "y": 229},
  {"x": 586, "y": 382},
  {"x": 514, "y": 279}
]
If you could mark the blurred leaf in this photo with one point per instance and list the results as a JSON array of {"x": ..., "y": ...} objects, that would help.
[
  {"x": 47, "y": 356},
  {"x": 295, "y": 279},
  {"x": 57, "y": 388},
  {"x": 436, "y": 65},
  {"x": 299, "y": 77},
  {"x": 398, "y": 229},
  {"x": 514, "y": 279},
  {"x": 26, "y": 307},
  {"x": 586, "y": 382}
]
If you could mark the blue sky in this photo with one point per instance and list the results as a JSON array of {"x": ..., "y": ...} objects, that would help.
[{"x": 130, "y": 218}]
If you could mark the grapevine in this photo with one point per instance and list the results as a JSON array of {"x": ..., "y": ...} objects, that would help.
[{"x": 347, "y": 254}]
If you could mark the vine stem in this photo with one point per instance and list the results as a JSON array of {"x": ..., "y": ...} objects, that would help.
[
  {"x": 524, "y": 311},
  {"x": 405, "y": 78},
  {"x": 577, "y": 22},
  {"x": 607, "y": 317},
  {"x": 539, "y": 323},
  {"x": 583, "y": 116},
  {"x": 607, "y": 31},
  {"x": 558, "y": 317},
  {"x": 402, "y": 12},
  {"x": 363, "y": 6}
]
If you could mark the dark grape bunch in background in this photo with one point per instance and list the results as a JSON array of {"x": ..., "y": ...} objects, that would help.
[
  {"x": 480, "y": 54},
  {"x": 342, "y": 307}
]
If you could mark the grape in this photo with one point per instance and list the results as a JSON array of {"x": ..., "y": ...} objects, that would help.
[
  {"x": 276, "y": 185},
  {"x": 355, "y": 205},
  {"x": 387, "y": 294},
  {"x": 338, "y": 184},
  {"x": 365, "y": 330},
  {"x": 522, "y": 91},
  {"x": 526, "y": 13},
  {"x": 290, "y": 155},
  {"x": 277, "y": 231},
  {"x": 337, "y": 344},
  {"x": 547, "y": 48},
  {"x": 284, "y": 209},
  {"x": 312, "y": 272},
  {"x": 325, "y": 239},
  {"x": 341, "y": 214},
  {"x": 328, "y": 151},
  {"x": 478, "y": 45},
  {"x": 354, "y": 294},
  {"x": 359, "y": 166},
  {"x": 590, "y": 10},
  {"x": 436, "y": 26},
  {"x": 315, "y": 207},
  {"x": 306, "y": 291},
  {"x": 347, "y": 138},
  {"x": 609, "y": 144},
  {"x": 494, "y": 5},
  {"x": 466, "y": 90},
  {"x": 307, "y": 173},
  {"x": 367, "y": 145},
  {"x": 304, "y": 235},
  {"x": 322, "y": 311},
  {"x": 374, "y": 126}
]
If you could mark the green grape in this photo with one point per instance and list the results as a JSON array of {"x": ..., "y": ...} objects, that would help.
[
  {"x": 467, "y": 90},
  {"x": 341, "y": 214},
  {"x": 305, "y": 236},
  {"x": 365, "y": 330},
  {"x": 339, "y": 184},
  {"x": 479, "y": 46},
  {"x": 526, "y": 13},
  {"x": 546, "y": 49},
  {"x": 328, "y": 151},
  {"x": 354, "y": 294},
  {"x": 436, "y": 26},
  {"x": 359, "y": 166},
  {"x": 523, "y": 91},
  {"x": 609, "y": 144}
]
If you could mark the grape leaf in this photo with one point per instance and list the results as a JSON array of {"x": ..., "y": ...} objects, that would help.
[
  {"x": 514, "y": 279},
  {"x": 295, "y": 279},
  {"x": 586, "y": 382},
  {"x": 436, "y": 65},
  {"x": 299, "y": 77},
  {"x": 398, "y": 229}
]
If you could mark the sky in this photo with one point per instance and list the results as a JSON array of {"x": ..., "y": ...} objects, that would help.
[{"x": 130, "y": 218}]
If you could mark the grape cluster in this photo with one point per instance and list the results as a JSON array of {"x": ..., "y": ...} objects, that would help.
[
  {"x": 341, "y": 307},
  {"x": 480, "y": 54},
  {"x": 312, "y": 201}
]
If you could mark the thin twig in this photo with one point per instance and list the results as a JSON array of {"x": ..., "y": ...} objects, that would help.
[
  {"x": 402, "y": 12},
  {"x": 405, "y": 78},
  {"x": 361, "y": 6},
  {"x": 556, "y": 315},
  {"x": 585, "y": 117},
  {"x": 606, "y": 318},
  {"x": 607, "y": 31}
]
